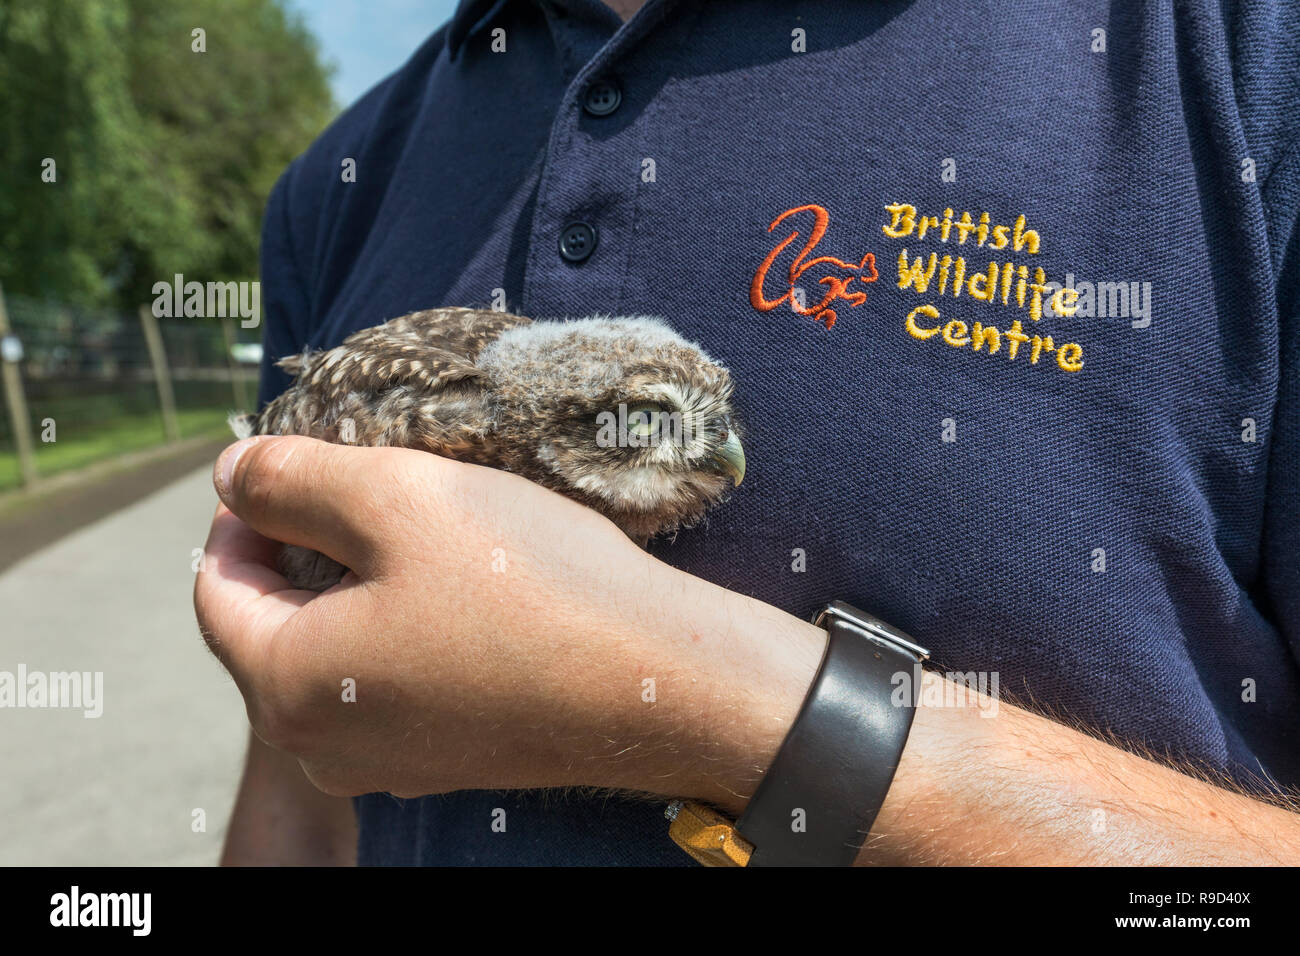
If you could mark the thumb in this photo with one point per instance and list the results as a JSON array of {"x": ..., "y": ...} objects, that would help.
[{"x": 306, "y": 492}]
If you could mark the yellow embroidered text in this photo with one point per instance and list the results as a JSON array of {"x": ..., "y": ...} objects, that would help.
[
  {"x": 924, "y": 323},
  {"x": 979, "y": 279},
  {"x": 904, "y": 221},
  {"x": 999, "y": 282}
]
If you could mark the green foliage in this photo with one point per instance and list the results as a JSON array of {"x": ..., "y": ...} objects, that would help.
[{"x": 165, "y": 156}]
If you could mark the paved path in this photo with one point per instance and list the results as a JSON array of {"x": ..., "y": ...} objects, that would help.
[
  {"x": 72, "y": 500},
  {"x": 122, "y": 788}
]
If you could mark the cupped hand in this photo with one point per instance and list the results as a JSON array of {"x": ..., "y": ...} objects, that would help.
[{"x": 490, "y": 634}]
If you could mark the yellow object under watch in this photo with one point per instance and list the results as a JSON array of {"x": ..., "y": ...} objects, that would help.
[{"x": 709, "y": 837}]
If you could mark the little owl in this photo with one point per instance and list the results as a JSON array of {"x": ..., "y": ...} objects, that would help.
[{"x": 620, "y": 414}]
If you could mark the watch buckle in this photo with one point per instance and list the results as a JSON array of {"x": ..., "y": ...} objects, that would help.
[{"x": 871, "y": 627}]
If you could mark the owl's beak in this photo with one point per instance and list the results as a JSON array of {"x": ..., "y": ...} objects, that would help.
[{"x": 730, "y": 458}]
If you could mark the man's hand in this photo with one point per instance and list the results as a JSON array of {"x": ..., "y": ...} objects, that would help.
[
  {"x": 500, "y": 636},
  {"x": 493, "y": 634}
]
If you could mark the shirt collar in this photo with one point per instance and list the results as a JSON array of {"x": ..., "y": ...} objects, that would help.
[
  {"x": 470, "y": 17},
  {"x": 473, "y": 16}
]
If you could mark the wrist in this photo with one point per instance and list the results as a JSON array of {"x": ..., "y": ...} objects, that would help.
[
  {"x": 746, "y": 668},
  {"x": 832, "y": 764}
]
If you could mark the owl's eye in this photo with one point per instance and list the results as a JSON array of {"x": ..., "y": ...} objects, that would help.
[{"x": 643, "y": 420}]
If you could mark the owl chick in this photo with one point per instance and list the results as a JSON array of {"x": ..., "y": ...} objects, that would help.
[{"x": 620, "y": 414}]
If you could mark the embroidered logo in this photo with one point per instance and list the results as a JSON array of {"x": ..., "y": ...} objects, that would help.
[
  {"x": 981, "y": 280},
  {"x": 844, "y": 281}
]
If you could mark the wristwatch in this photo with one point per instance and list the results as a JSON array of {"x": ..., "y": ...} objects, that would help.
[{"x": 818, "y": 800}]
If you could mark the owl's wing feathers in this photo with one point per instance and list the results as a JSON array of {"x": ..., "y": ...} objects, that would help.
[
  {"x": 432, "y": 347},
  {"x": 410, "y": 381},
  {"x": 464, "y": 332}
]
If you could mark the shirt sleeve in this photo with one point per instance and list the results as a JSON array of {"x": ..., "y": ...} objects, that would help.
[
  {"x": 286, "y": 306},
  {"x": 1281, "y": 534},
  {"x": 1266, "y": 38}
]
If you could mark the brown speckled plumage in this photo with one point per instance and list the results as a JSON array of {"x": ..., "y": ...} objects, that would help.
[{"x": 500, "y": 390}]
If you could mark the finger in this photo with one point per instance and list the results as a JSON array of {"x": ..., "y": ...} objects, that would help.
[
  {"x": 306, "y": 492},
  {"x": 243, "y": 555},
  {"x": 239, "y": 597}
]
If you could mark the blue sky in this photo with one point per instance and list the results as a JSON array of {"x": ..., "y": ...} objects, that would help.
[{"x": 368, "y": 39}]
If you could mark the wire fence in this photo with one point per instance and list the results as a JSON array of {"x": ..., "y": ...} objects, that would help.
[{"x": 82, "y": 385}]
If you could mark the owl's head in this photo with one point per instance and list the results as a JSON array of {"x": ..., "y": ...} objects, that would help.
[{"x": 621, "y": 413}]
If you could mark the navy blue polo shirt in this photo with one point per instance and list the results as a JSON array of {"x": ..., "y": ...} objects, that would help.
[{"x": 1009, "y": 291}]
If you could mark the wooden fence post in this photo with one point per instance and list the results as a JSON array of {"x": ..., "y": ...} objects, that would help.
[
  {"x": 158, "y": 357},
  {"x": 14, "y": 398},
  {"x": 242, "y": 401}
]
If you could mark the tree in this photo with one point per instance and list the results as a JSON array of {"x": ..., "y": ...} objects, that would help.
[{"x": 164, "y": 156}]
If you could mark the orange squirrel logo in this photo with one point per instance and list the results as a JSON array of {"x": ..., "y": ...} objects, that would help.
[{"x": 837, "y": 284}]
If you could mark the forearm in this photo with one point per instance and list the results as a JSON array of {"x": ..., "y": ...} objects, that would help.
[
  {"x": 1019, "y": 789},
  {"x": 1010, "y": 788},
  {"x": 280, "y": 819}
]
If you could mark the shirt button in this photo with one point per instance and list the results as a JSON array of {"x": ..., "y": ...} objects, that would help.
[
  {"x": 577, "y": 241},
  {"x": 602, "y": 98}
]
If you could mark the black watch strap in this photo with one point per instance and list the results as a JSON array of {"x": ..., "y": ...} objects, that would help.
[{"x": 818, "y": 800}]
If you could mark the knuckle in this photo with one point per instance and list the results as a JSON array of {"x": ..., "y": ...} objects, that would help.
[
  {"x": 261, "y": 470},
  {"x": 407, "y": 487},
  {"x": 410, "y": 475},
  {"x": 373, "y": 476}
]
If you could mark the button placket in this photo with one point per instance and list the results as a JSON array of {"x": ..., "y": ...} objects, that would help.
[{"x": 589, "y": 182}]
